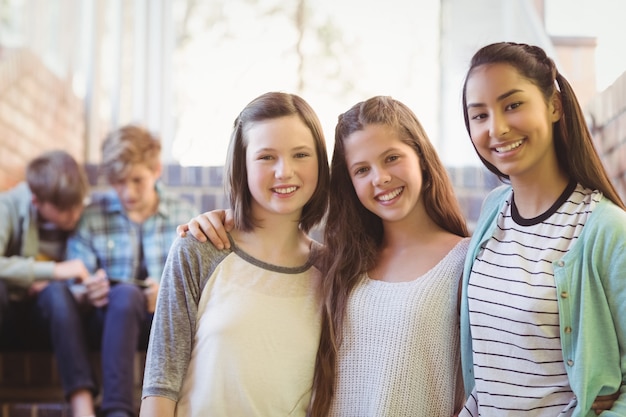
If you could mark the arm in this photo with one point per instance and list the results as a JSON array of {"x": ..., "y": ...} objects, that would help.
[
  {"x": 157, "y": 407},
  {"x": 211, "y": 225},
  {"x": 616, "y": 291},
  {"x": 173, "y": 327},
  {"x": 79, "y": 247},
  {"x": 23, "y": 270},
  {"x": 609, "y": 263}
]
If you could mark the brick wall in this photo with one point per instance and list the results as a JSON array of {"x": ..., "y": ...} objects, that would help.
[
  {"x": 38, "y": 112},
  {"x": 608, "y": 113}
]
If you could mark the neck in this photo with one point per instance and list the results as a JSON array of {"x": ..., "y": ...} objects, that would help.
[
  {"x": 533, "y": 198},
  {"x": 403, "y": 233},
  {"x": 278, "y": 243},
  {"x": 143, "y": 214}
]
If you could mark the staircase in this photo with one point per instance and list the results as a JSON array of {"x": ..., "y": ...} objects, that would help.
[{"x": 30, "y": 384}]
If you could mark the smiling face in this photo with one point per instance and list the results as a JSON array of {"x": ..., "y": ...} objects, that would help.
[
  {"x": 282, "y": 166},
  {"x": 385, "y": 171},
  {"x": 510, "y": 123}
]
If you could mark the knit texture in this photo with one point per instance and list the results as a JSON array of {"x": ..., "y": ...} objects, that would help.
[{"x": 400, "y": 353}]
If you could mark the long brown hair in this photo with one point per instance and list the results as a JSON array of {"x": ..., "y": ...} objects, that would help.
[
  {"x": 353, "y": 234},
  {"x": 268, "y": 106},
  {"x": 575, "y": 152}
]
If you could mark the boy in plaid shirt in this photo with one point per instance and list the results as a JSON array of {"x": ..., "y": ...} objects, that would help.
[{"x": 123, "y": 239}]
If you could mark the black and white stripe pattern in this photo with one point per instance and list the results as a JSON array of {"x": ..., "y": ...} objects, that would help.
[{"x": 514, "y": 314}]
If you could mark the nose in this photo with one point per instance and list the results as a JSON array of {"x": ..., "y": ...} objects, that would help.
[
  {"x": 499, "y": 126},
  {"x": 284, "y": 169},
  {"x": 381, "y": 177}
]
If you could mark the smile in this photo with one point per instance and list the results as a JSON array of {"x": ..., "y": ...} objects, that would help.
[
  {"x": 285, "y": 190},
  {"x": 390, "y": 195},
  {"x": 509, "y": 147}
]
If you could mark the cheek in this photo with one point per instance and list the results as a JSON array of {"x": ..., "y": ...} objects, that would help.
[
  {"x": 313, "y": 174},
  {"x": 477, "y": 133},
  {"x": 361, "y": 189},
  {"x": 119, "y": 189}
]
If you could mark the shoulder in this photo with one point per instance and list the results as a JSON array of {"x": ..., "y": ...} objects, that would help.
[
  {"x": 497, "y": 196},
  {"x": 192, "y": 250},
  {"x": 607, "y": 218},
  {"x": 491, "y": 207},
  {"x": 17, "y": 196}
]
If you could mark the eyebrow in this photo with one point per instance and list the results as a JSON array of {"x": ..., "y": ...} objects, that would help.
[
  {"x": 295, "y": 149},
  {"x": 384, "y": 153},
  {"x": 499, "y": 98}
]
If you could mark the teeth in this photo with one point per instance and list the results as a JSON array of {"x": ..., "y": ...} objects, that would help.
[
  {"x": 509, "y": 147},
  {"x": 391, "y": 195},
  {"x": 285, "y": 190}
]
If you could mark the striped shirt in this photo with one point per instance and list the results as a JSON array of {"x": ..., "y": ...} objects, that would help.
[{"x": 514, "y": 314}]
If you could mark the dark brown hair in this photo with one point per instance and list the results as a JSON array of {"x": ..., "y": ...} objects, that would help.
[
  {"x": 575, "y": 151},
  {"x": 56, "y": 178},
  {"x": 353, "y": 234},
  {"x": 273, "y": 105}
]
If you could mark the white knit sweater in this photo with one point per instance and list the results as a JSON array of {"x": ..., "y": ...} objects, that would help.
[{"x": 400, "y": 352}]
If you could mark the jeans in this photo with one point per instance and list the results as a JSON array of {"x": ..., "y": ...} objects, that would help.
[{"x": 121, "y": 327}]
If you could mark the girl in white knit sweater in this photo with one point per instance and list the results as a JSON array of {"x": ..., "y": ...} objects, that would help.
[{"x": 395, "y": 248}]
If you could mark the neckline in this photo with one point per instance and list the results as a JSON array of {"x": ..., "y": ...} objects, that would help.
[
  {"x": 522, "y": 221},
  {"x": 419, "y": 278},
  {"x": 272, "y": 267}
]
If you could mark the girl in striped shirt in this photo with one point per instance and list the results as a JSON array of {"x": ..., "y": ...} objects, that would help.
[{"x": 543, "y": 285}]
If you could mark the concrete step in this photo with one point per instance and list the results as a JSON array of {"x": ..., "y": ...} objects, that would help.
[
  {"x": 30, "y": 385},
  {"x": 19, "y": 409}
]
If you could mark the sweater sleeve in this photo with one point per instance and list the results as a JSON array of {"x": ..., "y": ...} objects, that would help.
[
  {"x": 14, "y": 268},
  {"x": 611, "y": 261}
]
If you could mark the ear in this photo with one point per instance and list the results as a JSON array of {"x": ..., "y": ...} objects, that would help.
[
  {"x": 158, "y": 170},
  {"x": 556, "y": 107}
]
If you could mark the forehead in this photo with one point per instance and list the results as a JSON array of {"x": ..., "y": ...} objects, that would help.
[
  {"x": 136, "y": 170},
  {"x": 371, "y": 141},
  {"x": 376, "y": 133},
  {"x": 489, "y": 79},
  {"x": 287, "y": 131},
  {"x": 51, "y": 210}
]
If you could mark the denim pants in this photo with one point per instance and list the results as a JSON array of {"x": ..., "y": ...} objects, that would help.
[{"x": 121, "y": 327}]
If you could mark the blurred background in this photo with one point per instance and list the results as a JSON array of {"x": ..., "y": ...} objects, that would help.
[{"x": 71, "y": 70}]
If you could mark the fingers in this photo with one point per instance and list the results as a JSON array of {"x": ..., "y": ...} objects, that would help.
[
  {"x": 196, "y": 228},
  {"x": 37, "y": 287},
  {"x": 151, "y": 293},
  {"x": 215, "y": 228},
  {"x": 98, "y": 288},
  {"x": 181, "y": 230},
  {"x": 72, "y": 269},
  {"x": 209, "y": 226},
  {"x": 604, "y": 402}
]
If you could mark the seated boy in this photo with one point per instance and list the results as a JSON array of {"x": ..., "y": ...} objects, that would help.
[{"x": 123, "y": 239}]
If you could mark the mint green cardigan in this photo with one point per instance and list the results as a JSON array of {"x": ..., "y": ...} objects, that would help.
[{"x": 591, "y": 290}]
